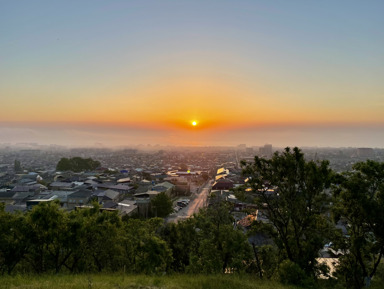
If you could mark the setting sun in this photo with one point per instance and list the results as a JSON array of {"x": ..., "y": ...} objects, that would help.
[{"x": 194, "y": 123}]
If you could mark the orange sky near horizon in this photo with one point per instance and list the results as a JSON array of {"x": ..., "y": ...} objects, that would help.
[
  {"x": 216, "y": 100},
  {"x": 218, "y": 94}
]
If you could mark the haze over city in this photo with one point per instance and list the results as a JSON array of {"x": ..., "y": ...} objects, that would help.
[{"x": 291, "y": 73}]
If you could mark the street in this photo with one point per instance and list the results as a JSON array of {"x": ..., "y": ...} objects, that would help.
[{"x": 200, "y": 201}]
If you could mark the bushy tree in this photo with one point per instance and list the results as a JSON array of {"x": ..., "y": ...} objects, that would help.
[
  {"x": 290, "y": 191},
  {"x": 144, "y": 250},
  {"x": 48, "y": 233},
  {"x": 182, "y": 239},
  {"x": 96, "y": 240},
  {"x": 360, "y": 203},
  {"x": 64, "y": 164},
  {"x": 17, "y": 166},
  {"x": 49, "y": 239},
  {"x": 77, "y": 164},
  {"x": 14, "y": 243},
  {"x": 161, "y": 205},
  {"x": 221, "y": 246}
]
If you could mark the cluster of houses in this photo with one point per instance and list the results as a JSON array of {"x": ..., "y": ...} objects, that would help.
[{"x": 113, "y": 191}]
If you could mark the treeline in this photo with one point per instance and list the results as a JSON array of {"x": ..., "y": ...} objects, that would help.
[
  {"x": 77, "y": 164},
  {"x": 50, "y": 240}
]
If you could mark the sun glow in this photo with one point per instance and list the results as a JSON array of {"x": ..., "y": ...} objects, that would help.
[{"x": 194, "y": 123}]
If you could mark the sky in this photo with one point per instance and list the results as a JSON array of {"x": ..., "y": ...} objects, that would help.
[{"x": 290, "y": 73}]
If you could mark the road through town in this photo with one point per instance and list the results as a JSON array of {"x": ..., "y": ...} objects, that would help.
[{"x": 200, "y": 201}]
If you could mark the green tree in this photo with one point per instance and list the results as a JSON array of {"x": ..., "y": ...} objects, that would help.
[
  {"x": 77, "y": 164},
  {"x": 95, "y": 240},
  {"x": 182, "y": 239},
  {"x": 162, "y": 205},
  {"x": 64, "y": 165},
  {"x": 290, "y": 191},
  {"x": 48, "y": 235},
  {"x": 79, "y": 260},
  {"x": 144, "y": 250},
  {"x": 102, "y": 235},
  {"x": 14, "y": 243},
  {"x": 269, "y": 260},
  {"x": 17, "y": 167},
  {"x": 221, "y": 246},
  {"x": 360, "y": 203}
]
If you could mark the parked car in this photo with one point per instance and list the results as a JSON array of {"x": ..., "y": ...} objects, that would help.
[
  {"x": 185, "y": 201},
  {"x": 177, "y": 208},
  {"x": 181, "y": 204}
]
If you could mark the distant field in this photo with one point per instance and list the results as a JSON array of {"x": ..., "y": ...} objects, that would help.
[{"x": 112, "y": 281}]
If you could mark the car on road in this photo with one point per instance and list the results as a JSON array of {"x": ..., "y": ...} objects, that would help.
[
  {"x": 177, "y": 208},
  {"x": 185, "y": 201},
  {"x": 182, "y": 204}
]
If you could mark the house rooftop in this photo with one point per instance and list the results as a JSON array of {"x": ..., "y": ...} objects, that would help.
[
  {"x": 123, "y": 180},
  {"x": 62, "y": 184},
  {"x": 6, "y": 194},
  {"x": 111, "y": 194},
  {"x": 81, "y": 194}
]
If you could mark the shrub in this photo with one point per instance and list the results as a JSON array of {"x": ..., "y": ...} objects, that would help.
[{"x": 291, "y": 273}]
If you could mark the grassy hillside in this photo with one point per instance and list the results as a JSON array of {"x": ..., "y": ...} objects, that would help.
[{"x": 111, "y": 281}]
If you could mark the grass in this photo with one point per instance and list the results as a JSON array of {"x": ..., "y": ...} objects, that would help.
[{"x": 120, "y": 281}]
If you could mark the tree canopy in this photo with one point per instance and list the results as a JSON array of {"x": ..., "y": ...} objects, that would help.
[
  {"x": 48, "y": 239},
  {"x": 162, "y": 205},
  {"x": 360, "y": 204},
  {"x": 77, "y": 164},
  {"x": 17, "y": 166},
  {"x": 290, "y": 191}
]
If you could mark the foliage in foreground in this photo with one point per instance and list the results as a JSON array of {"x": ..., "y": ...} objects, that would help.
[
  {"x": 302, "y": 210},
  {"x": 293, "y": 193},
  {"x": 48, "y": 239},
  {"x": 360, "y": 204}
]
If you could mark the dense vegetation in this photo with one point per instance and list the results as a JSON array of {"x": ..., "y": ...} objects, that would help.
[
  {"x": 311, "y": 199},
  {"x": 77, "y": 164},
  {"x": 162, "y": 205},
  {"x": 48, "y": 239},
  {"x": 302, "y": 200}
]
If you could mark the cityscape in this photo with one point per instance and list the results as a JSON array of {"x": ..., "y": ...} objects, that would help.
[
  {"x": 133, "y": 173},
  {"x": 191, "y": 144}
]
